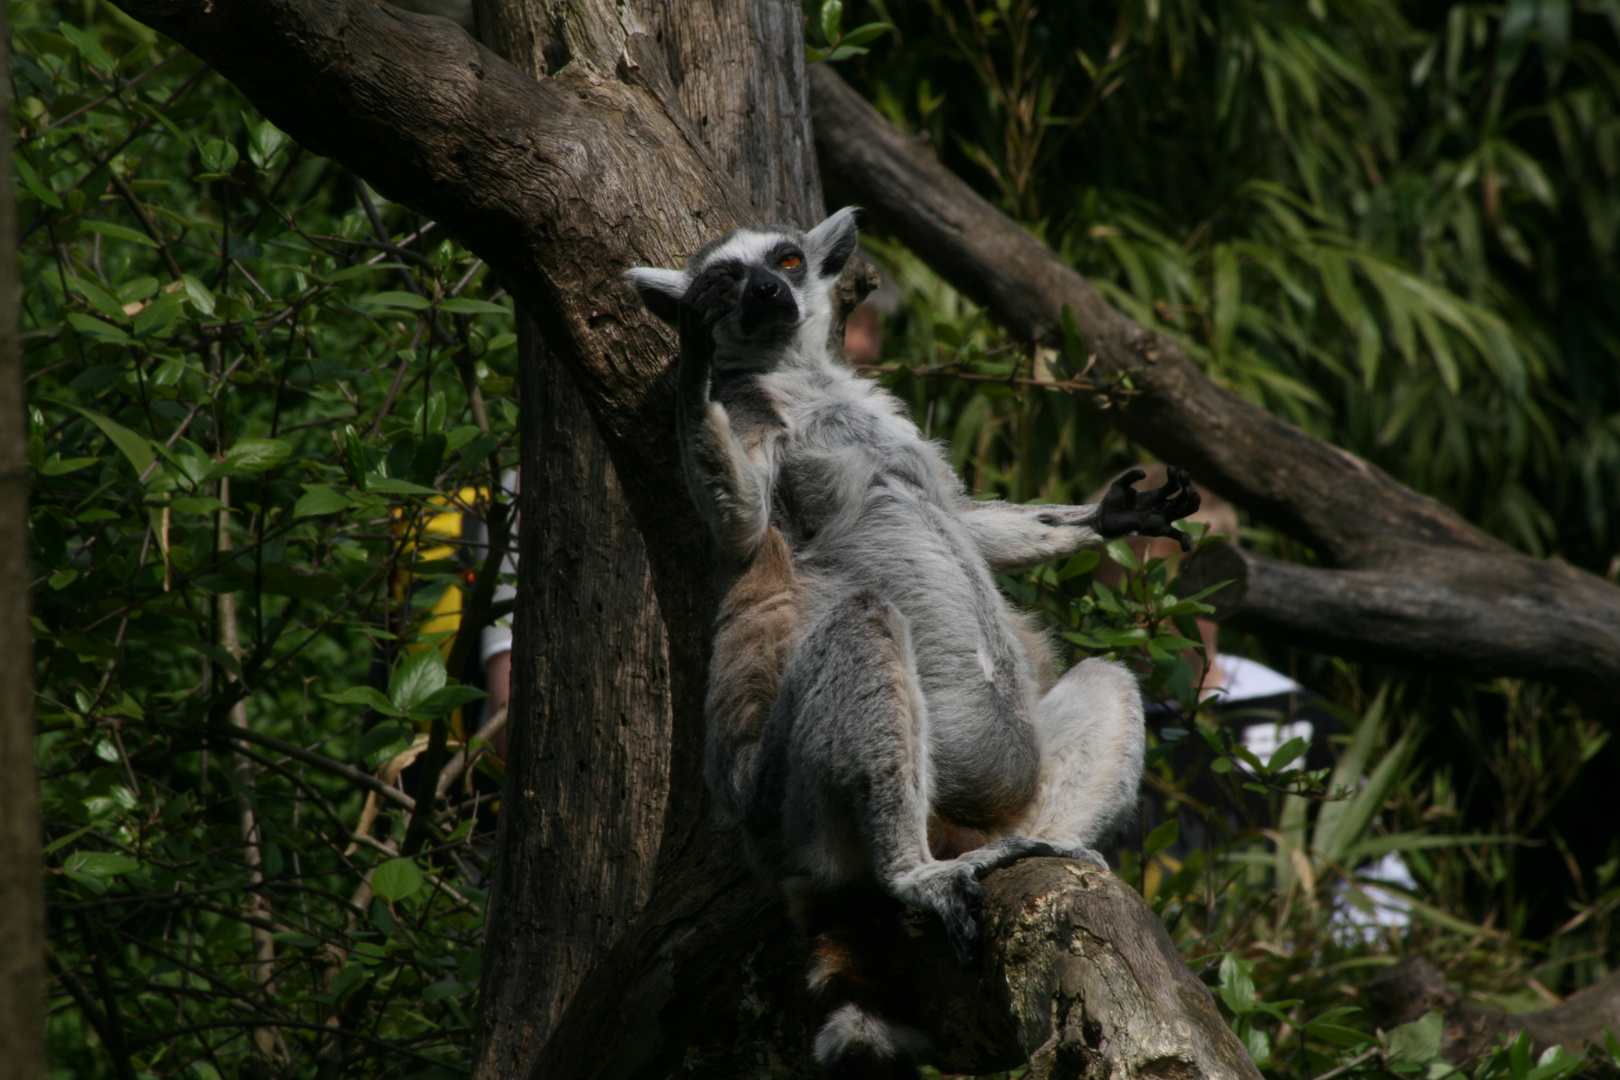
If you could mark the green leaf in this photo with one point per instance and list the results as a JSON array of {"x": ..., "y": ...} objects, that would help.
[
  {"x": 35, "y": 186},
  {"x": 389, "y": 486},
  {"x": 62, "y": 466},
  {"x": 832, "y": 16},
  {"x": 1120, "y": 551},
  {"x": 418, "y": 678},
  {"x": 97, "y": 329},
  {"x": 100, "y": 863},
  {"x": 264, "y": 139},
  {"x": 118, "y": 232},
  {"x": 385, "y": 741},
  {"x": 321, "y": 499},
  {"x": 867, "y": 32},
  {"x": 252, "y": 456},
  {"x": 1160, "y": 838},
  {"x": 218, "y": 157},
  {"x": 1286, "y": 753},
  {"x": 157, "y": 316},
  {"x": 196, "y": 504},
  {"x": 1080, "y": 562},
  {"x": 364, "y": 695},
  {"x": 199, "y": 295},
  {"x": 396, "y": 879},
  {"x": 1236, "y": 987},
  {"x": 464, "y": 306},
  {"x": 99, "y": 298},
  {"x": 133, "y": 447},
  {"x": 1417, "y": 1043},
  {"x": 395, "y": 299},
  {"x": 442, "y": 702},
  {"x": 89, "y": 48}
]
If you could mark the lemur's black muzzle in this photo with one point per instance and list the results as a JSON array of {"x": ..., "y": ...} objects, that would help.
[{"x": 766, "y": 300}]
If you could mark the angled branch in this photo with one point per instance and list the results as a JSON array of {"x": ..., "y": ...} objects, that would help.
[{"x": 1414, "y": 582}]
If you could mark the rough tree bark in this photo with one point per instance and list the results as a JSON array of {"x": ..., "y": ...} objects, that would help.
[
  {"x": 1411, "y": 582},
  {"x": 589, "y": 719},
  {"x": 22, "y": 900}
]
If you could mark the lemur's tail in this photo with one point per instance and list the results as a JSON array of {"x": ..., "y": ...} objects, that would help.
[{"x": 854, "y": 942}]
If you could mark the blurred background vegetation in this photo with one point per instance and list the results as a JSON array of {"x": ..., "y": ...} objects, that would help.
[{"x": 264, "y": 402}]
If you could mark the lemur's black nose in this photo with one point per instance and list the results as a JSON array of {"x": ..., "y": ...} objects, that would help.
[{"x": 766, "y": 301}]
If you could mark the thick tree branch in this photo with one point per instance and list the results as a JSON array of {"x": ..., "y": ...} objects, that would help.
[
  {"x": 1416, "y": 584},
  {"x": 1406, "y": 991}
]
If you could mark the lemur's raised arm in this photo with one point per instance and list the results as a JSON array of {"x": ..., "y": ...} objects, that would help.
[{"x": 877, "y": 726}]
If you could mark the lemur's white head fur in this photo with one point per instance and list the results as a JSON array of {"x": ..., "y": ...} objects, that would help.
[{"x": 783, "y": 283}]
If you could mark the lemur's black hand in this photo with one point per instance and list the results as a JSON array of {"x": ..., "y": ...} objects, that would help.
[
  {"x": 714, "y": 294},
  {"x": 1126, "y": 511}
]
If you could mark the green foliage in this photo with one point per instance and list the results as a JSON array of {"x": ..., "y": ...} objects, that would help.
[
  {"x": 1394, "y": 225},
  {"x": 255, "y": 391}
]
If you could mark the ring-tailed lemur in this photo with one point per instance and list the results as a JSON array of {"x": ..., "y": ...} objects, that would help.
[{"x": 878, "y": 713}]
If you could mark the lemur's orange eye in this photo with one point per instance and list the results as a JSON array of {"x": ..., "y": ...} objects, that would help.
[{"x": 790, "y": 262}]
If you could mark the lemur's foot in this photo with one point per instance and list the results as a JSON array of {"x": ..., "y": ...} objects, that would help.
[
  {"x": 950, "y": 890},
  {"x": 1009, "y": 849}
]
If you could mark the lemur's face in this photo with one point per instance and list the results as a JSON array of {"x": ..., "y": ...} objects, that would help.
[{"x": 763, "y": 288}]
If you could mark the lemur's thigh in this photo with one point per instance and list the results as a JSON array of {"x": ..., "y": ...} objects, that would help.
[
  {"x": 844, "y": 783},
  {"x": 842, "y": 789},
  {"x": 1091, "y": 762}
]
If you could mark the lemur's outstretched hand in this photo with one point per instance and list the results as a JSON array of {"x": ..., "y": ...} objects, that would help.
[{"x": 1126, "y": 511}]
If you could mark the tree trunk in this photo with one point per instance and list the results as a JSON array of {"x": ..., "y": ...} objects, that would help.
[
  {"x": 587, "y": 753},
  {"x": 583, "y": 814},
  {"x": 22, "y": 902}
]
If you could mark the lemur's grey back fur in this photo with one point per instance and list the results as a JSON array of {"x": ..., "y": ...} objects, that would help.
[{"x": 873, "y": 698}]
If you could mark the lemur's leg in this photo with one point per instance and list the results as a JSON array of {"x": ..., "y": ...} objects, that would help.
[
  {"x": 844, "y": 782},
  {"x": 1093, "y": 739},
  {"x": 840, "y": 795}
]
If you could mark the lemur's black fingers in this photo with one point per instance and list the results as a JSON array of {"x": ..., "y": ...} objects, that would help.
[
  {"x": 1181, "y": 538},
  {"x": 1120, "y": 495}
]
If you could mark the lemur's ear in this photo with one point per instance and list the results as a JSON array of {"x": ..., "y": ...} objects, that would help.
[
  {"x": 661, "y": 290},
  {"x": 832, "y": 242}
]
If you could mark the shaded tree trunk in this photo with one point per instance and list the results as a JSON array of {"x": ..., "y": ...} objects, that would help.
[
  {"x": 22, "y": 902},
  {"x": 588, "y": 757},
  {"x": 588, "y": 734}
]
